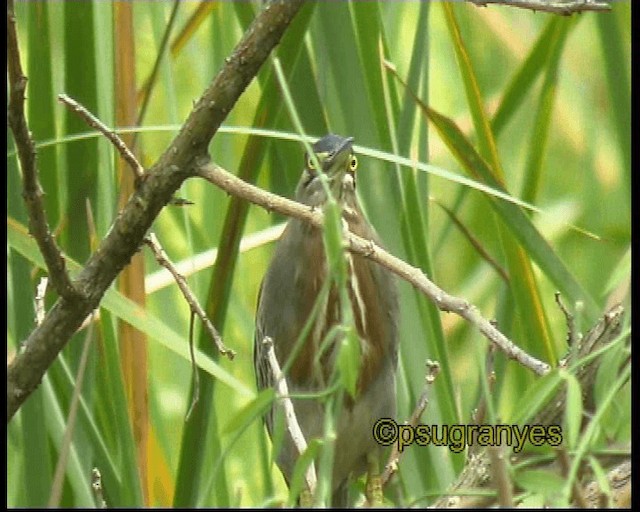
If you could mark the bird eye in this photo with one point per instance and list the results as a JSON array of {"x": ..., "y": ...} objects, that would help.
[
  {"x": 310, "y": 163},
  {"x": 353, "y": 164}
]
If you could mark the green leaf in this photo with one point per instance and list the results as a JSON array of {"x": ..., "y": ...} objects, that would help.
[
  {"x": 588, "y": 436},
  {"x": 57, "y": 421},
  {"x": 523, "y": 284},
  {"x": 537, "y": 149},
  {"x": 536, "y": 396},
  {"x": 474, "y": 98},
  {"x": 533, "y": 501},
  {"x": 573, "y": 410},
  {"x": 512, "y": 216},
  {"x": 41, "y": 104},
  {"x": 538, "y": 481},
  {"x": 81, "y": 84},
  {"x": 297, "y": 479},
  {"x": 252, "y": 410},
  {"x": 349, "y": 361},
  {"x": 523, "y": 79},
  {"x": 333, "y": 243},
  {"x": 616, "y": 56},
  {"x": 621, "y": 273},
  {"x": 601, "y": 477}
]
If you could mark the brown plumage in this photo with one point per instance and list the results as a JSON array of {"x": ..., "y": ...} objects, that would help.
[{"x": 290, "y": 288}]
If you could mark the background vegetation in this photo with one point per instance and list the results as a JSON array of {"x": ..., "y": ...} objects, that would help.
[{"x": 552, "y": 92}]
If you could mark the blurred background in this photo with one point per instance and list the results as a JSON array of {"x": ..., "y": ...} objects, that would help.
[{"x": 543, "y": 99}]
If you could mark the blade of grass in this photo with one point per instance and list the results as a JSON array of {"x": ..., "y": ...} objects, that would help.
[
  {"x": 512, "y": 216},
  {"x": 41, "y": 103},
  {"x": 129, "y": 311},
  {"x": 522, "y": 283},
  {"x": 112, "y": 414},
  {"x": 20, "y": 319},
  {"x": 36, "y": 483},
  {"x": 191, "y": 26},
  {"x": 144, "y": 94},
  {"x": 238, "y": 425},
  {"x": 95, "y": 430},
  {"x": 77, "y": 478},
  {"x": 80, "y": 84},
  {"x": 540, "y": 132},
  {"x": 523, "y": 79},
  {"x": 413, "y": 227},
  {"x": 616, "y": 59},
  {"x": 67, "y": 438},
  {"x": 589, "y": 434},
  {"x": 133, "y": 343}
]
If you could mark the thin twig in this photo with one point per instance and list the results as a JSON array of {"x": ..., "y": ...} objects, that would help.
[
  {"x": 433, "y": 369},
  {"x": 500, "y": 476},
  {"x": 163, "y": 260},
  {"x": 290, "y": 418},
  {"x": 126, "y": 154},
  {"x": 367, "y": 248},
  {"x": 480, "y": 412},
  {"x": 572, "y": 335},
  {"x": 26, "y": 150},
  {"x": 204, "y": 260},
  {"x": 96, "y": 486},
  {"x": 564, "y": 7},
  {"x": 195, "y": 375},
  {"x": 177, "y": 163}
]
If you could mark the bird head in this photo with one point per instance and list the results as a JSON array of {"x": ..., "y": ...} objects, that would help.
[{"x": 336, "y": 160}]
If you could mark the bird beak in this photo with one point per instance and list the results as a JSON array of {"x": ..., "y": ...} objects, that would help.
[
  {"x": 344, "y": 148},
  {"x": 340, "y": 158}
]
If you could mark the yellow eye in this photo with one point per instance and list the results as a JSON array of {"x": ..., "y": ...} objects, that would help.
[
  {"x": 353, "y": 165},
  {"x": 310, "y": 163}
]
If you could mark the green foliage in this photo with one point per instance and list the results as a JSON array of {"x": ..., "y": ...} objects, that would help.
[{"x": 531, "y": 105}]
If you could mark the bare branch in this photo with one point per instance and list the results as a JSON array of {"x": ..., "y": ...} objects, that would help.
[
  {"x": 163, "y": 260},
  {"x": 500, "y": 476},
  {"x": 195, "y": 376},
  {"x": 196, "y": 309},
  {"x": 290, "y": 418},
  {"x": 179, "y": 161},
  {"x": 572, "y": 335},
  {"x": 32, "y": 191},
  {"x": 126, "y": 154},
  {"x": 433, "y": 369},
  {"x": 564, "y": 7},
  {"x": 369, "y": 249}
]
